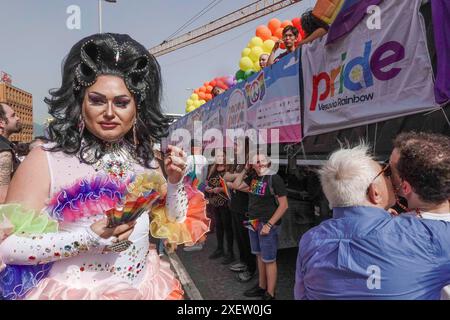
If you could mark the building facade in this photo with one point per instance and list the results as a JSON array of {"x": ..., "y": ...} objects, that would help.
[{"x": 22, "y": 103}]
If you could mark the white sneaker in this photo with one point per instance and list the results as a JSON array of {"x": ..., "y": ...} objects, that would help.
[
  {"x": 238, "y": 267},
  {"x": 195, "y": 247}
]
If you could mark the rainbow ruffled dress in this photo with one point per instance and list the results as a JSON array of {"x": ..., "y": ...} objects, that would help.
[{"x": 53, "y": 255}]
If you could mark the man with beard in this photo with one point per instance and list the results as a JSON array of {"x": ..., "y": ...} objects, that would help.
[{"x": 9, "y": 124}]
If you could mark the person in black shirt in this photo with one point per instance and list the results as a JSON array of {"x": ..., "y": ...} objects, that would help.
[
  {"x": 218, "y": 202},
  {"x": 267, "y": 204},
  {"x": 246, "y": 268}
]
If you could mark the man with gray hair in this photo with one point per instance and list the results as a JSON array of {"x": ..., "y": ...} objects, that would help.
[{"x": 362, "y": 252}]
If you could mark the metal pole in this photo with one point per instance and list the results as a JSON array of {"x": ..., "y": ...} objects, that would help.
[{"x": 100, "y": 15}]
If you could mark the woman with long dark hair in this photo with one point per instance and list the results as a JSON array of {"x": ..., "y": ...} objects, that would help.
[
  {"x": 80, "y": 223},
  {"x": 218, "y": 202}
]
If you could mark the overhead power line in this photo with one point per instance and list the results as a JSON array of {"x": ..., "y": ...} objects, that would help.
[
  {"x": 239, "y": 17},
  {"x": 202, "y": 12},
  {"x": 243, "y": 33}
]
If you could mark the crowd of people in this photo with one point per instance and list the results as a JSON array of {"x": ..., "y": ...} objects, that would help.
[
  {"x": 381, "y": 242},
  {"x": 389, "y": 237},
  {"x": 246, "y": 203}
]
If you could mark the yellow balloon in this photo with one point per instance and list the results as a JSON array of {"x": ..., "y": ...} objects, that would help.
[
  {"x": 190, "y": 108},
  {"x": 245, "y": 52},
  {"x": 197, "y": 103},
  {"x": 189, "y": 102},
  {"x": 268, "y": 45},
  {"x": 256, "y": 42},
  {"x": 194, "y": 96},
  {"x": 202, "y": 102},
  {"x": 246, "y": 64},
  {"x": 256, "y": 66},
  {"x": 255, "y": 53}
]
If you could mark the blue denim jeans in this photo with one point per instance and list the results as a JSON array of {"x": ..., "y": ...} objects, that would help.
[{"x": 266, "y": 246}]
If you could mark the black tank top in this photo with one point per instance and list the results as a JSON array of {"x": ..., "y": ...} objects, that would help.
[{"x": 6, "y": 145}]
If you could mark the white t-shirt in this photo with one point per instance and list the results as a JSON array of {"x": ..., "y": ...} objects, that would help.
[
  {"x": 436, "y": 216},
  {"x": 201, "y": 166},
  {"x": 445, "y": 293}
]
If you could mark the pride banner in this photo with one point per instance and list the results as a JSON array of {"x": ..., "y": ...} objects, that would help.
[
  {"x": 369, "y": 75},
  {"x": 269, "y": 100},
  {"x": 273, "y": 99}
]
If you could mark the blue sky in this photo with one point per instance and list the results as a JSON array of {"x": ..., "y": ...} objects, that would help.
[{"x": 35, "y": 39}]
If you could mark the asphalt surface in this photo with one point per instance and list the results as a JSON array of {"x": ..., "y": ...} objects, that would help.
[{"x": 214, "y": 281}]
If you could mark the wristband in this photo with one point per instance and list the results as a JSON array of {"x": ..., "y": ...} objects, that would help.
[{"x": 269, "y": 224}]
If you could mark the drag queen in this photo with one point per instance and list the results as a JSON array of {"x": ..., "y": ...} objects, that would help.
[{"x": 79, "y": 210}]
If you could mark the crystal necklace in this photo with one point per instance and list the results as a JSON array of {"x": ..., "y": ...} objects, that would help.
[{"x": 117, "y": 160}]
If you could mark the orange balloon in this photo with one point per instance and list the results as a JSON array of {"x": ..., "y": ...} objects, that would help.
[
  {"x": 278, "y": 34},
  {"x": 202, "y": 89},
  {"x": 206, "y": 84},
  {"x": 286, "y": 23},
  {"x": 196, "y": 91},
  {"x": 213, "y": 83},
  {"x": 208, "y": 96},
  {"x": 263, "y": 32},
  {"x": 274, "y": 24},
  {"x": 202, "y": 95},
  {"x": 275, "y": 39},
  {"x": 222, "y": 85},
  {"x": 297, "y": 22},
  {"x": 209, "y": 89}
]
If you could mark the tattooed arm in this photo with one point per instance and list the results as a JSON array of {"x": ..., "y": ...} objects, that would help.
[{"x": 5, "y": 173}]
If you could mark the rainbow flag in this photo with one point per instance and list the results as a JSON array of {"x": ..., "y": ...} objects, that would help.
[
  {"x": 327, "y": 10},
  {"x": 131, "y": 209},
  {"x": 349, "y": 14},
  {"x": 252, "y": 224},
  {"x": 224, "y": 186},
  {"x": 191, "y": 178}
]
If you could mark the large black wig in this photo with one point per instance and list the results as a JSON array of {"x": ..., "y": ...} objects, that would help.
[{"x": 107, "y": 54}]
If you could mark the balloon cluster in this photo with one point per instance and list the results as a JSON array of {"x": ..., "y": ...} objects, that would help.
[
  {"x": 203, "y": 94},
  {"x": 263, "y": 42}
]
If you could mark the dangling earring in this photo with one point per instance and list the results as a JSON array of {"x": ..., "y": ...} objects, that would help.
[
  {"x": 135, "y": 139},
  {"x": 81, "y": 126}
]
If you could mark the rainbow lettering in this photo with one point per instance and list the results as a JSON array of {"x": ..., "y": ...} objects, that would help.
[
  {"x": 258, "y": 187},
  {"x": 255, "y": 90},
  {"x": 351, "y": 77}
]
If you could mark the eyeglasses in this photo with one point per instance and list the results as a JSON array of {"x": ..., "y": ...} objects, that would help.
[{"x": 386, "y": 171}]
